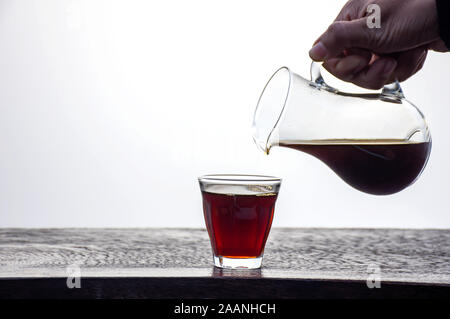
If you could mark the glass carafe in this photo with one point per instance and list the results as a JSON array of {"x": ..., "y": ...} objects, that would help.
[{"x": 377, "y": 142}]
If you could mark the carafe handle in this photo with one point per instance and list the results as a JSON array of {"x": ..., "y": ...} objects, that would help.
[{"x": 390, "y": 92}]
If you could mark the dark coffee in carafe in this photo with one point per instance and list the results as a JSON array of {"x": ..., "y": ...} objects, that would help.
[{"x": 379, "y": 168}]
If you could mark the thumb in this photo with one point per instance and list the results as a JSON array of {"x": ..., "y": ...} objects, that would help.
[{"x": 341, "y": 35}]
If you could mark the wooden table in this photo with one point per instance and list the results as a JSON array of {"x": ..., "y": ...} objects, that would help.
[{"x": 177, "y": 263}]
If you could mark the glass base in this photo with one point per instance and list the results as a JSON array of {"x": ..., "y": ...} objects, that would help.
[{"x": 237, "y": 263}]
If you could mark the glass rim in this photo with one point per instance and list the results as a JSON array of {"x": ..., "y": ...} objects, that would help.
[
  {"x": 239, "y": 178},
  {"x": 282, "y": 109}
]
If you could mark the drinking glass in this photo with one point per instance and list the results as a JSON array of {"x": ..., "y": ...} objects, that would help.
[{"x": 238, "y": 211}]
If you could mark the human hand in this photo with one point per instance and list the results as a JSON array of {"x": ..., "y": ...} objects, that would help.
[{"x": 373, "y": 57}]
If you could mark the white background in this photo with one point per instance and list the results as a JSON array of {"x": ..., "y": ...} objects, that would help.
[{"x": 109, "y": 110}]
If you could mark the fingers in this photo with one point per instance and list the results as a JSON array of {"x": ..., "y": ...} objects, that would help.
[
  {"x": 346, "y": 67},
  {"x": 359, "y": 68},
  {"x": 339, "y": 36},
  {"x": 377, "y": 74},
  {"x": 349, "y": 49},
  {"x": 386, "y": 70},
  {"x": 408, "y": 63}
]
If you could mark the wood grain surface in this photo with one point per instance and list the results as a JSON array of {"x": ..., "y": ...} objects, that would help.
[{"x": 169, "y": 263}]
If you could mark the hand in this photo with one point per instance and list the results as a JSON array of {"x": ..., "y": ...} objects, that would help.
[{"x": 373, "y": 57}]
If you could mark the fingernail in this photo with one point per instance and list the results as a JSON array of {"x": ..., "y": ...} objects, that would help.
[
  {"x": 318, "y": 52},
  {"x": 389, "y": 67}
]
